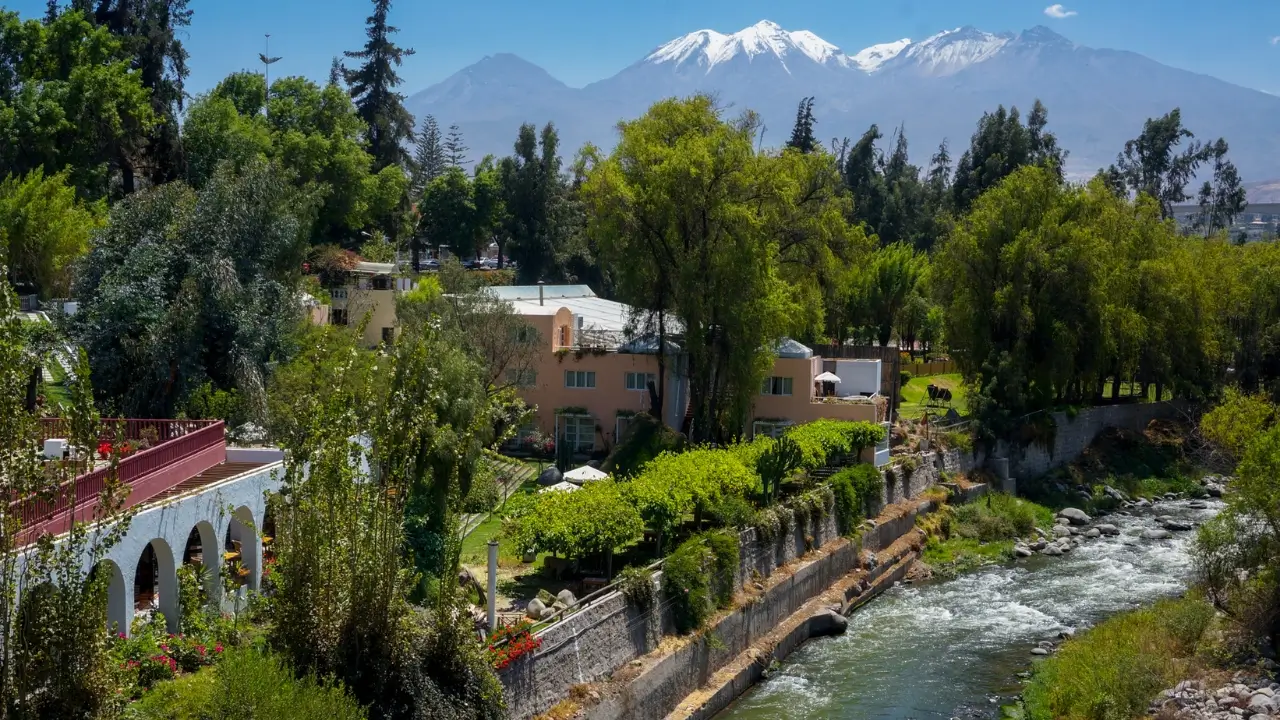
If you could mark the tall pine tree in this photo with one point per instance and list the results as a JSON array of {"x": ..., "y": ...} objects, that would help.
[
  {"x": 429, "y": 157},
  {"x": 455, "y": 151},
  {"x": 802, "y": 137},
  {"x": 372, "y": 87}
]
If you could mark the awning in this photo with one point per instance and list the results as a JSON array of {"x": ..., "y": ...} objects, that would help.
[{"x": 586, "y": 473}]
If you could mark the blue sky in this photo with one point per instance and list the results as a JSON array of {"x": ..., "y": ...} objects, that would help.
[{"x": 579, "y": 41}]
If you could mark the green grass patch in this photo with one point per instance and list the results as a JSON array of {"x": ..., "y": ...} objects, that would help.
[
  {"x": 1115, "y": 669},
  {"x": 915, "y": 395},
  {"x": 981, "y": 532}
]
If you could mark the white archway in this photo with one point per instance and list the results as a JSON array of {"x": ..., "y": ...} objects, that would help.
[
  {"x": 205, "y": 553},
  {"x": 119, "y": 605},
  {"x": 242, "y": 537},
  {"x": 156, "y": 581}
]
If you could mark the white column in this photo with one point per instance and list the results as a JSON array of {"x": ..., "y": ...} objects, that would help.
[{"x": 493, "y": 586}]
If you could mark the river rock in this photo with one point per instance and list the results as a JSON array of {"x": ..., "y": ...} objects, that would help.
[
  {"x": 1198, "y": 505},
  {"x": 1051, "y": 550},
  {"x": 1061, "y": 521},
  {"x": 1142, "y": 502},
  {"x": 1075, "y": 516},
  {"x": 534, "y": 609},
  {"x": 1039, "y": 651},
  {"x": 1022, "y": 551},
  {"x": 1117, "y": 494},
  {"x": 1093, "y": 533},
  {"x": 1175, "y": 524},
  {"x": 1156, "y": 534},
  {"x": 1108, "y": 529},
  {"x": 1061, "y": 531},
  {"x": 826, "y": 623}
]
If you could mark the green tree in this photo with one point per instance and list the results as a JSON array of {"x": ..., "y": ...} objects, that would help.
[
  {"x": 533, "y": 231},
  {"x": 1000, "y": 145},
  {"x": 697, "y": 224},
  {"x": 1222, "y": 198},
  {"x": 372, "y": 86},
  {"x": 70, "y": 99},
  {"x": 429, "y": 158},
  {"x": 449, "y": 213},
  {"x": 455, "y": 149},
  {"x": 44, "y": 230},
  {"x": 802, "y": 137},
  {"x": 892, "y": 279},
  {"x": 1151, "y": 163},
  {"x": 185, "y": 287}
]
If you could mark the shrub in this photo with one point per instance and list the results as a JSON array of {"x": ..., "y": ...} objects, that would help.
[
  {"x": 904, "y": 377},
  {"x": 646, "y": 438},
  {"x": 508, "y": 643},
  {"x": 484, "y": 494},
  {"x": 1114, "y": 669},
  {"x": 822, "y": 439},
  {"x": 258, "y": 685},
  {"x": 699, "y": 576},
  {"x": 672, "y": 485},
  {"x": 636, "y": 584},
  {"x": 597, "y": 518},
  {"x": 998, "y": 516},
  {"x": 854, "y": 489}
]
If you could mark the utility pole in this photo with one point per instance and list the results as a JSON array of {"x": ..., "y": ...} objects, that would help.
[{"x": 267, "y": 62}]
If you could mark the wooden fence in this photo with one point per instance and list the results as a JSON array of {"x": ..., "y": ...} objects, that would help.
[{"x": 937, "y": 367}]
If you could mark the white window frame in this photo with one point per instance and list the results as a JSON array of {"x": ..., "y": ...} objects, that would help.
[
  {"x": 769, "y": 428},
  {"x": 617, "y": 426},
  {"x": 562, "y": 431},
  {"x": 778, "y": 385},
  {"x": 582, "y": 379},
  {"x": 644, "y": 377}
]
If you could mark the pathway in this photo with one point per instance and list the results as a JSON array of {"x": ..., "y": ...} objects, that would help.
[{"x": 511, "y": 475}]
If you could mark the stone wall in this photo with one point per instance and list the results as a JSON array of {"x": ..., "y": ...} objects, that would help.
[
  {"x": 1074, "y": 435},
  {"x": 901, "y": 483}
]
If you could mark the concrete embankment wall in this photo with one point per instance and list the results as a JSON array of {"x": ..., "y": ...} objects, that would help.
[{"x": 1074, "y": 434}]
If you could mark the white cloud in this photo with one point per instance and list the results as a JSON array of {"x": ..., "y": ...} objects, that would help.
[
  {"x": 1275, "y": 40},
  {"x": 1057, "y": 11}
]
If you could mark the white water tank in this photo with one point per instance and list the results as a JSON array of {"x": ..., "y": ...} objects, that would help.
[{"x": 55, "y": 448}]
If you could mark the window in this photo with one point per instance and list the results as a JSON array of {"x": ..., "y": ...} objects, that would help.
[
  {"x": 769, "y": 428},
  {"x": 640, "y": 381},
  {"x": 382, "y": 282},
  {"x": 585, "y": 379},
  {"x": 564, "y": 336},
  {"x": 776, "y": 386},
  {"x": 338, "y": 316},
  {"x": 338, "y": 293},
  {"x": 389, "y": 335},
  {"x": 578, "y": 432},
  {"x": 522, "y": 378}
]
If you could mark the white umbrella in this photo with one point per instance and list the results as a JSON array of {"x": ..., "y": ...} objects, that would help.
[
  {"x": 827, "y": 377},
  {"x": 560, "y": 487},
  {"x": 586, "y": 473}
]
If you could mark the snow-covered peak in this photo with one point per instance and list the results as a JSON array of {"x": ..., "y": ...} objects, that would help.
[
  {"x": 708, "y": 48},
  {"x": 951, "y": 51},
  {"x": 870, "y": 59}
]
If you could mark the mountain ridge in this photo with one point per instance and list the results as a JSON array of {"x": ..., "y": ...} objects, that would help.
[{"x": 1097, "y": 98}]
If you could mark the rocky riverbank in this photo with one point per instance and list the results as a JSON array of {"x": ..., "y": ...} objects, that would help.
[{"x": 1249, "y": 695}]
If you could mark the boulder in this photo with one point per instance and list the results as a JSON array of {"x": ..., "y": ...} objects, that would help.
[
  {"x": 1142, "y": 502},
  {"x": 1176, "y": 524},
  {"x": 1213, "y": 490},
  {"x": 1156, "y": 534},
  {"x": 1061, "y": 521},
  {"x": 1108, "y": 529},
  {"x": 1093, "y": 533},
  {"x": 1061, "y": 531},
  {"x": 535, "y": 609},
  {"x": 1261, "y": 703},
  {"x": 1039, "y": 651},
  {"x": 1022, "y": 551},
  {"x": 1075, "y": 516},
  {"x": 1198, "y": 505},
  {"x": 549, "y": 477},
  {"x": 1051, "y": 551},
  {"x": 547, "y": 598},
  {"x": 1117, "y": 494},
  {"x": 826, "y": 622},
  {"x": 566, "y": 597}
]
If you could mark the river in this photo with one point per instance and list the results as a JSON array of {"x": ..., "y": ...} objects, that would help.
[{"x": 953, "y": 648}]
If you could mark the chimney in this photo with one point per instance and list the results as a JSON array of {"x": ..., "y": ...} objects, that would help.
[{"x": 540, "y": 292}]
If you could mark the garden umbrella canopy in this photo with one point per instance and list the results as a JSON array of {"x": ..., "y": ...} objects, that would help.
[
  {"x": 827, "y": 377},
  {"x": 586, "y": 473}
]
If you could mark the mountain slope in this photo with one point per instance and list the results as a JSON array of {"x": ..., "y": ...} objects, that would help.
[{"x": 936, "y": 88}]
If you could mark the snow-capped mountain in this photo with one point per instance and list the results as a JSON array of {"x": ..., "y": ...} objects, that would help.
[
  {"x": 949, "y": 52},
  {"x": 935, "y": 88},
  {"x": 707, "y": 49},
  {"x": 870, "y": 59}
]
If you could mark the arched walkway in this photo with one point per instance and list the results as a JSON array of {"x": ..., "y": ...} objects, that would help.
[
  {"x": 246, "y": 545},
  {"x": 156, "y": 582},
  {"x": 202, "y": 552},
  {"x": 119, "y": 614}
]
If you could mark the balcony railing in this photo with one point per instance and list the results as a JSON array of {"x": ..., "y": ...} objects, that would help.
[
  {"x": 132, "y": 429},
  {"x": 185, "y": 449}
]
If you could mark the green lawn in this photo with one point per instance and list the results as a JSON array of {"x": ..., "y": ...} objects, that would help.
[{"x": 915, "y": 395}]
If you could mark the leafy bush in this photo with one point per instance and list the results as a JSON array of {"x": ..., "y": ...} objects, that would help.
[
  {"x": 998, "y": 516},
  {"x": 698, "y": 577},
  {"x": 776, "y": 464},
  {"x": 1114, "y": 669},
  {"x": 855, "y": 488},
  {"x": 904, "y": 377},
  {"x": 672, "y": 485},
  {"x": 823, "y": 439},
  {"x": 484, "y": 494},
  {"x": 597, "y": 518},
  {"x": 636, "y": 583},
  {"x": 646, "y": 438},
  {"x": 252, "y": 684}
]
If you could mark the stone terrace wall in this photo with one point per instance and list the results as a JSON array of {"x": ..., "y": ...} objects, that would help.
[
  {"x": 901, "y": 484},
  {"x": 1074, "y": 435}
]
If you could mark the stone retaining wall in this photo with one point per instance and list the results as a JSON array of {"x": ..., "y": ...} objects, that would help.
[{"x": 1074, "y": 434}]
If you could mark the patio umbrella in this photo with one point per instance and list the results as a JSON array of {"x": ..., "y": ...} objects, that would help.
[
  {"x": 586, "y": 473},
  {"x": 560, "y": 487},
  {"x": 827, "y": 377}
]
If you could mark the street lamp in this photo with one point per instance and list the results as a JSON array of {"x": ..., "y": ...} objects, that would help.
[{"x": 267, "y": 62}]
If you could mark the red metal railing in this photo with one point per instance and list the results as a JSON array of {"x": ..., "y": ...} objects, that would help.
[
  {"x": 132, "y": 428},
  {"x": 148, "y": 472}
]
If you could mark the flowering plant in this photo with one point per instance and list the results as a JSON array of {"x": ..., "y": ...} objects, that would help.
[{"x": 510, "y": 642}]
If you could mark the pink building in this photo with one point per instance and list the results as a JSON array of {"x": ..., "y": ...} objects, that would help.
[{"x": 594, "y": 373}]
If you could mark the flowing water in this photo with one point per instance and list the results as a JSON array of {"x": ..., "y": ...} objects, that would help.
[{"x": 953, "y": 648}]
